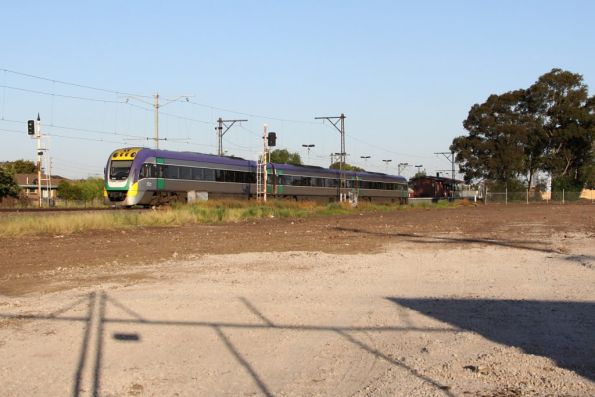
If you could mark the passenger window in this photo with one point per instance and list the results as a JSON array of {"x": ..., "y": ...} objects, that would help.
[
  {"x": 172, "y": 172},
  {"x": 209, "y": 174},
  {"x": 197, "y": 174},
  {"x": 185, "y": 173}
]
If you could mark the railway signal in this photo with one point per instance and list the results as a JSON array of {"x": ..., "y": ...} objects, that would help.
[
  {"x": 272, "y": 139},
  {"x": 31, "y": 127}
]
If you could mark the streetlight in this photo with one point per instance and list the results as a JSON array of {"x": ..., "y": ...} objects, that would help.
[
  {"x": 418, "y": 169},
  {"x": 386, "y": 162},
  {"x": 308, "y": 146},
  {"x": 401, "y": 167}
]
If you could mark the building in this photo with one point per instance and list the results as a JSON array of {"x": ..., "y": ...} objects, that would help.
[{"x": 29, "y": 187}]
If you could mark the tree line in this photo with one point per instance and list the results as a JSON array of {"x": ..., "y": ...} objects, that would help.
[
  {"x": 548, "y": 127},
  {"x": 81, "y": 190}
]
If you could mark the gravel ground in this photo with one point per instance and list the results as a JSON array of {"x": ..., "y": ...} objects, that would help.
[{"x": 486, "y": 301}]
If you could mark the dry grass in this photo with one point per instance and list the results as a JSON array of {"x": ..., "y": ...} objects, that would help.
[{"x": 209, "y": 212}]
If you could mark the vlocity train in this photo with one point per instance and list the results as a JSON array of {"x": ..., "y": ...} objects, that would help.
[{"x": 147, "y": 177}]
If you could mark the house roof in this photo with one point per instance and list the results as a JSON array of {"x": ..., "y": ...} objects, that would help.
[{"x": 31, "y": 179}]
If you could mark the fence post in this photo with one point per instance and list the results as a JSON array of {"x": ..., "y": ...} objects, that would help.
[
  {"x": 527, "y": 196},
  {"x": 506, "y": 195},
  {"x": 562, "y": 196}
]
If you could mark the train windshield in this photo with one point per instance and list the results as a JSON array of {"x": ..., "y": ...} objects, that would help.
[{"x": 119, "y": 169}]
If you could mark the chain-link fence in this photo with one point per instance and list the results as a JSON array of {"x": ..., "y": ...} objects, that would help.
[{"x": 530, "y": 197}]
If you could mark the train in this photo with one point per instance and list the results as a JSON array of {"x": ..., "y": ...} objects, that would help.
[{"x": 139, "y": 176}]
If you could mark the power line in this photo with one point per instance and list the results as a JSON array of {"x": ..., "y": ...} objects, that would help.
[
  {"x": 258, "y": 116},
  {"x": 71, "y": 84},
  {"x": 386, "y": 150},
  {"x": 168, "y": 114},
  {"x": 59, "y": 95},
  {"x": 93, "y": 131}
]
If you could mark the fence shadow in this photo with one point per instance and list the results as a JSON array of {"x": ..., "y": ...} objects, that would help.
[
  {"x": 562, "y": 331},
  {"x": 95, "y": 320}
]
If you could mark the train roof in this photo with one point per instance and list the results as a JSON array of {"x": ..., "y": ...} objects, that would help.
[{"x": 232, "y": 160}]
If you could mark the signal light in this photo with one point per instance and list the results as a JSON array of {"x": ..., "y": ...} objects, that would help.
[
  {"x": 272, "y": 139},
  {"x": 31, "y": 127}
]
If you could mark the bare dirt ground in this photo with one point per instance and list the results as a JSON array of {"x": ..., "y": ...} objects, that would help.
[{"x": 478, "y": 301}]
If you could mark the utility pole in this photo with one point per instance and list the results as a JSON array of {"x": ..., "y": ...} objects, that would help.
[
  {"x": 450, "y": 156},
  {"x": 261, "y": 168},
  {"x": 339, "y": 120},
  {"x": 156, "y": 120},
  {"x": 401, "y": 167},
  {"x": 39, "y": 154},
  {"x": 156, "y": 107},
  {"x": 223, "y": 123},
  {"x": 308, "y": 146}
]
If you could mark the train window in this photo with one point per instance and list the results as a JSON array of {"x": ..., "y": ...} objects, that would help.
[
  {"x": 197, "y": 174},
  {"x": 161, "y": 170},
  {"x": 209, "y": 174},
  {"x": 185, "y": 173},
  {"x": 119, "y": 169},
  {"x": 229, "y": 176},
  {"x": 172, "y": 172},
  {"x": 219, "y": 175},
  {"x": 148, "y": 171}
]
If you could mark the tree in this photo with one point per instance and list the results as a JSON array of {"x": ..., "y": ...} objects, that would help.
[
  {"x": 283, "y": 156},
  {"x": 549, "y": 126},
  {"x": 68, "y": 191},
  {"x": 86, "y": 190},
  {"x": 346, "y": 167},
  {"x": 495, "y": 146},
  {"x": 20, "y": 166},
  {"x": 8, "y": 186},
  {"x": 560, "y": 100},
  {"x": 91, "y": 189}
]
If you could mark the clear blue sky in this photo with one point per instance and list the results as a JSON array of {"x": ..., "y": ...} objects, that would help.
[{"x": 404, "y": 73}]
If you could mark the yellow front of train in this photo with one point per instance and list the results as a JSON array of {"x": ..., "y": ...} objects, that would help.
[{"x": 121, "y": 186}]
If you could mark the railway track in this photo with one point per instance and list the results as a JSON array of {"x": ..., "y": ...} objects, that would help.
[{"x": 50, "y": 210}]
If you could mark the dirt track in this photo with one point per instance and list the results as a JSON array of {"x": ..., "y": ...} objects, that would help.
[{"x": 496, "y": 301}]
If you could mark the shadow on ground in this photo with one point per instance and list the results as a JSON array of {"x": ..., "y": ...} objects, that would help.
[
  {"x": 562, "y": 331},
  {"x": 94, "y": 339},
  {"x": 531, "y": 245}
]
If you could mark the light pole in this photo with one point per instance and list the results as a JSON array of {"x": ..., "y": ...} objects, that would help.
[
  {"x": 365, "y": 158},
  {"x": 401, "y": 167},
  {"x": 386, "y": 162},
  {"x": 418, "y": 169},
  {"x": 308, "y": 146}
]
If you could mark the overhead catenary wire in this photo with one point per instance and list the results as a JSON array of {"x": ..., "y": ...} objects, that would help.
[
  {"x": 59, "y": 95},
  {"x": 93, "y": 131},
  {"x": 6, "y": 87},
  {"x": 72, "y": 84}
]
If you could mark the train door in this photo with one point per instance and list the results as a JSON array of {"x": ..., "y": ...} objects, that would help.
[
  {"x": 271, "y": 179},
  {"x": 160, "y": 173},
  {"x": 279, "y": 181}
]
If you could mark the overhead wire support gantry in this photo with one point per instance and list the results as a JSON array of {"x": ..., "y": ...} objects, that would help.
[
  {"x": 339, "y": 123},
  {"x": 220, "y": 132},
  {"x": 156, "y": 105}
]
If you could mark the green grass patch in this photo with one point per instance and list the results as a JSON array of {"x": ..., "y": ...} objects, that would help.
[{"x": 208, "y": 212}]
